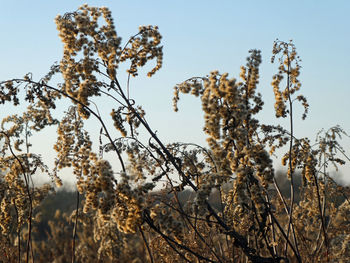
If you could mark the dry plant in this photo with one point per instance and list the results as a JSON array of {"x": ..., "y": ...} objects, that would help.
[{"x": 123, "y": 218}]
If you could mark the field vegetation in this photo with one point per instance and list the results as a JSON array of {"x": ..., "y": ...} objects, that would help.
[{"x": 157, "y": 202}]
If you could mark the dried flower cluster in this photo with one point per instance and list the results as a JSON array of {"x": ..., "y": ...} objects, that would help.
[
  {"x": 154, "y": 202},
  {"x": 289, "y": 66}
]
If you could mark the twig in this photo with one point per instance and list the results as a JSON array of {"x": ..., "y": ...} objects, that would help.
[
  {"x": 28, "y": 193},
  {"x": 146, "y": 244},
  {"x": 75, "y": 228}
]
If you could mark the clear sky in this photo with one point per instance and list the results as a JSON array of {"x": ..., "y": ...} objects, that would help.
[{"x": 200, "y": 36}]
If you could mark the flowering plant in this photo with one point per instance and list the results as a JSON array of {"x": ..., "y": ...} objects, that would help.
[{"x": 251, "y": 219}]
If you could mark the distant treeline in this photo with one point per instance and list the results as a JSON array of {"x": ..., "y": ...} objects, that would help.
[{"x": 65, "y": 201}]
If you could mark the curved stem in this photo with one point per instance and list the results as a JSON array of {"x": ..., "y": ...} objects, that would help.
[
  {"x": 29, "y": 196},
  {"x": 85, "y": 107},
  {"x": 291, "y": 169}
]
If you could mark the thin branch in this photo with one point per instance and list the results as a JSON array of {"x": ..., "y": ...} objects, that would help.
[
  {"x": 75, "y": 228},
  {"x": 146, "y": 244},
  {"x": 28, "y": 193},
  {"x": 85, "y": 107}
]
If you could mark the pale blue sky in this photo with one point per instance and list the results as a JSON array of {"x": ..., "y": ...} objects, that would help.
[{"x": 198, "y": 37}]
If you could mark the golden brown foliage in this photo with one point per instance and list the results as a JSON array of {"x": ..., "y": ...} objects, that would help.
[{"x": 121, "y": 219}]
